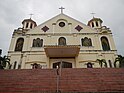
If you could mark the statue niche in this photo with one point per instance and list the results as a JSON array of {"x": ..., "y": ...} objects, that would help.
[{"x": 62, "y": 41}]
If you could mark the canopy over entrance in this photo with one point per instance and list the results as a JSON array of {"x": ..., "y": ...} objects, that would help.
[{"x": 62, "y": 51}]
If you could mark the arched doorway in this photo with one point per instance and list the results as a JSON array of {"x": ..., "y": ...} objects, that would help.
[{"x": 62, "y": 64}]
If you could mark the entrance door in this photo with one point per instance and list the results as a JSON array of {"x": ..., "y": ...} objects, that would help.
[{"x": 62, "y": 64}]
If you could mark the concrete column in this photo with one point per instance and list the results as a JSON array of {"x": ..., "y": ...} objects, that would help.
[
  {"x": 48, "y": 63},
  {"x": 111, "y": 41},
  {"x": 23, "y": 61},
  {"x": 12, "y": 44},
  {"x": 99, "y": 23},
  {"x": 76, "y": 62}
]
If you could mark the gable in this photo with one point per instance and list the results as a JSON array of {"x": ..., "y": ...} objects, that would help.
[{"x": 61, "y": 24}]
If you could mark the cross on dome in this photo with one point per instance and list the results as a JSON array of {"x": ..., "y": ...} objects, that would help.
[
  {"x": 61, "y": 9},
  {"x": 31, "y": 15},
  {"x": 93, "y": 14}
]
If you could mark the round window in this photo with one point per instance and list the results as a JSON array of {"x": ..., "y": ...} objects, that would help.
[{"x": 61, "y": 24}]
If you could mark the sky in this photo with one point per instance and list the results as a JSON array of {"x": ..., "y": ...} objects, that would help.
[{"x": 13, "y": 12}]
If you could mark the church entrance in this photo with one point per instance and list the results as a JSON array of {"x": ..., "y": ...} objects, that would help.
[
  {"x": 64, "y": 55},
  {"x": 62, "y": 64}
]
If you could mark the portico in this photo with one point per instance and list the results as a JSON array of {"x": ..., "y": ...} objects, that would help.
[{"x": 63, "y": 56}]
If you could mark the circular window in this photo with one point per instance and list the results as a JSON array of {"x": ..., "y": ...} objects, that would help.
[{"x": 61, "y": 24}]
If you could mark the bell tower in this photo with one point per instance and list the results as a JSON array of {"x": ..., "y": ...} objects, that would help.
[
  {"x": 95, "y": 23},
  {"x": 28, "y": 24}
]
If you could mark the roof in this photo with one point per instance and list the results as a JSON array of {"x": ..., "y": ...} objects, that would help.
[
  {"x": 30, "y": 21},
  {"x": 94, "y": 19}
]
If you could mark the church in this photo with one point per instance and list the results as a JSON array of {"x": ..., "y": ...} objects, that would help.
[{"x": 62, "y": 41}]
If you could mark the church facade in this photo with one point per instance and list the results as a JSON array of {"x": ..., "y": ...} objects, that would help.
[{"x": 62, "y": 41}]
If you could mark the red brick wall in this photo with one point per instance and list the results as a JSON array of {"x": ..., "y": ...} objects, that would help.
[{"x": 71, "y": 80}]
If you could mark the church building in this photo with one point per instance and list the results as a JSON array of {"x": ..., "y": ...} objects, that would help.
[{"x": 64, "y": 42}]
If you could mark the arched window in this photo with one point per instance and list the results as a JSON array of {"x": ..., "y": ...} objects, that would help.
[
  {"x": 89, "y": 65},
  {"x": 105, "y": 44},
  {"x": 92, "y": 24},
  {"x": 41, "y": 41},
  {"x": 19, "y": 44},
  {"x": 27, "y": 25},
  {"x": 31, "y": 25},
  {"x": 97, "y": 24},
  {"x": 62, "y": 41},
  {"x": 82, "y": 40},
  {"x": 90, "y": 42},
  {"x": 37, "y": 42},
  {"x": 34, "y": 43},
  {"x": 86, "y": 42}
]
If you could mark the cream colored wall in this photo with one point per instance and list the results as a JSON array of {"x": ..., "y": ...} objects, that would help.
[
  {"x": 84, "y": 58},
  {"x": 12, "y": 44},
  {"x": 14, "y": 57},
  {"x": 73, "y": 37}
]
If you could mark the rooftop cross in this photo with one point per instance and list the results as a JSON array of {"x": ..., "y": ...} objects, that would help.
[
  {"x": 61, "y": 9},
  {"x": 93, "y": 14},
  {"x": 31, "y": 15}
]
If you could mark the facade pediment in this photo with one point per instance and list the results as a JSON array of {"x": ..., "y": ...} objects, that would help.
[{"x": 61, "y": 24}]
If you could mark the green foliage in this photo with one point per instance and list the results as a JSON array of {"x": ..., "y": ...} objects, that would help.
[
  {"x": 102, "y": 62},
  {"x": 4, "y": 61},
  {"x": 0, "y": 52},
  {"x": 119, "y": 59}
]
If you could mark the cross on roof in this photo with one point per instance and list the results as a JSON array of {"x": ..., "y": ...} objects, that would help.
[
  {"x": 61, "y": 9},
  {"x": 31, "y": 15},
  {"x": 93, "y": 14}
]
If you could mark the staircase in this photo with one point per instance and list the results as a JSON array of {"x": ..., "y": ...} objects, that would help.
[{"x": 71, "y": 80}]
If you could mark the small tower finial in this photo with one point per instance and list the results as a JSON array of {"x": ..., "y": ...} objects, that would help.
[
  {"x": 93, "y": 14},
  {"x": 31, "y": 15},
  {"x": 61, "y": 9}
]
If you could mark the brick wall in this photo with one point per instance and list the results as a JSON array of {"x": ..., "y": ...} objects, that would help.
[{"x": 70, "y": 80}]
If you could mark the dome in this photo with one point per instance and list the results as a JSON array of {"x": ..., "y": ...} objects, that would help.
[
  {"x": 28, "y": 24},
  {"x": 95, "y": 23}
]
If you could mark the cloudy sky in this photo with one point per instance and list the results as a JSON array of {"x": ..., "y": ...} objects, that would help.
[{"x": 12, "y": 13}]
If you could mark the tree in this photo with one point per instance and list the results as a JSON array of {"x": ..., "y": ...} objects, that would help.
[
  {"x": 0, "y": 52},
  {"x": 4, "y": 61},
  {"x": 101, "y": 62},
  {"x": 119, "y": 59}
]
